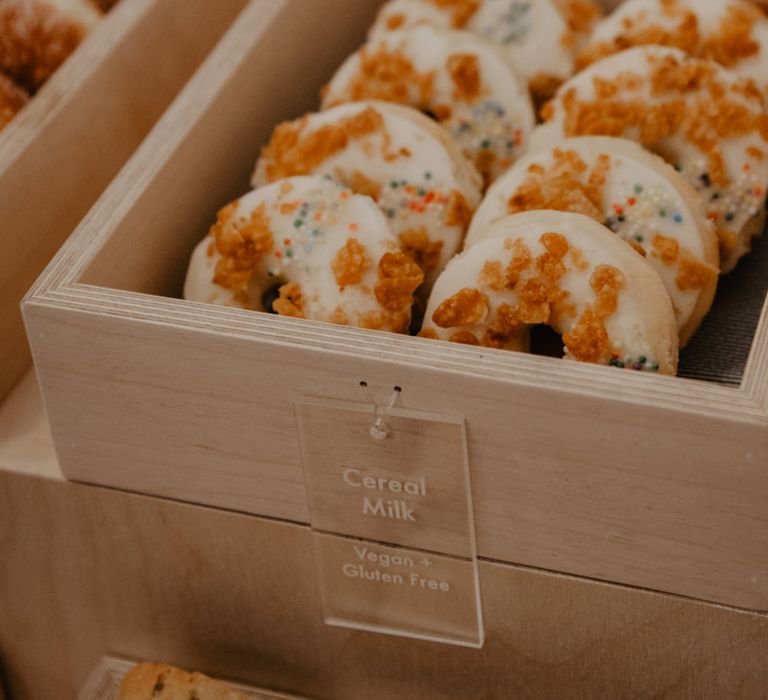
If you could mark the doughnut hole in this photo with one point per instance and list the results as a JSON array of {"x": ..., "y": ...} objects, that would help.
[
  {"x": 270, "y": 295},
  {"x": 546, "y": 341},
  {"x": 418, "y": 310}
]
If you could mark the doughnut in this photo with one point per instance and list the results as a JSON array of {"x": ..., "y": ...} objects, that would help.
[
  {"x": 565, "y": 271},
  {"x": 461, "y": 79},
  {"x": 694, "y": 113},
  {"x": 634, "y": 193},
  {"x": 404, "y": 160},
  {"x": 155, "y": 681},
  {"x": 36, "y": 36},
  {"x": 732, "y": 32},
  {"x": 538, "y": 37},
  {"x": 327, "y": 253},
  {"x": 12, "y": 99}
]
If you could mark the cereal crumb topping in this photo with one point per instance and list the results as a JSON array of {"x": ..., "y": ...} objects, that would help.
[
  {"x": 360, "y": 183},
  {"x": 729, "y": 44},
  {"x": 693, "y": 274},
  {"x": 606, "y": 282},
  {"x": 395, "y": 21},
  {"x": 349, "y": 263},
  {"x": 733, "y": 41},
  {"x": 461, "y": 11},
  {"x": 390, "y": 76},
  {"x": 290, "y": 302},
  {"x": 579, "y": 15},
  {"x": 241, "y": 243},
  {"x": 465, "y": 308},
  {"x": 533, "y": 306},
  {"x": 588, "y": 340},
  {"x": 665, "y": 248},
  {"x": 464, "y": 337},
  {"x": 465, "y": 74},
  {"x": 417, "y": 245},
  {"x": 504, "y": 328},
  {"x": 399, "y": 277},
  {"x": 565, "y": 186},
  {"x": 520, "y": 261},
  {"x": 339, "y": 317},
  {"x": 290, "y": 152},
  {"x": 458, "y": 212},
  {"x": 716, "y": 111}
]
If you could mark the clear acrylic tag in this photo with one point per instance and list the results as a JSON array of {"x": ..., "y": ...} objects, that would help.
[{"x": 391, "y": 513}]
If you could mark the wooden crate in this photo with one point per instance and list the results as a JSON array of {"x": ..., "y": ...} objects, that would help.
[
  {"x": 656, "y": 482},
  {"x": 57, "y": 156},
  {"x": 235, "y": 596}
]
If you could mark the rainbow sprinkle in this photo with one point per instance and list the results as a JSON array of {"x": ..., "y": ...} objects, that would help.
[
  {"x": 308, "y": 220},
  {"x": 735, "y": 204},
  {"x": 637, "y": 216},
  {"x": 486, "y": 126},
  {"x": 511, "y": 27},
  {"x": 640, "y": 364},
  {"x": 402, "y": 199}
]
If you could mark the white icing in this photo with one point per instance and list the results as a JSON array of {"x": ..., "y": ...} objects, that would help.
[
  {"x": 311, "y": 219},
  {"x": 639, "y": 200},
  {"x": 643, "y": 324},
  {"x": 711, "y": 16},
  {"x": 409, "y": 159},
  {"x": 498, "y": 120},
  {"x": 746, "y": 190},
  {"x": 530, "y": 32}
]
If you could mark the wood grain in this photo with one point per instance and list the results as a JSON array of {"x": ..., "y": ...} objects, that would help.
[
  {"x": 63, "y": 149},
  {"x": 89, "y": 571},
  {"x": 655, "y": 482}
]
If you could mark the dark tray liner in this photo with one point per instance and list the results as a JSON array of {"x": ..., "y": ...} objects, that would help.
[{"x": 720, "y": 349}]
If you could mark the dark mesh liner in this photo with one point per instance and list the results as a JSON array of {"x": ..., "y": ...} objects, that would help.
[{"x": 720, "y": 349}]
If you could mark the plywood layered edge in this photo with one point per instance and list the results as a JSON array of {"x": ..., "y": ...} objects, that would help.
[
  {"x": 650, "y": 481},
  {"x": 61, "y": 151}
]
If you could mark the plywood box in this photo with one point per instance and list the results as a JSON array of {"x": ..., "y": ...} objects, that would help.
[
  {"x": 62, "y": 150},
  {"x": 655, "y": 482},
  {"x": 234, "y": 596}
]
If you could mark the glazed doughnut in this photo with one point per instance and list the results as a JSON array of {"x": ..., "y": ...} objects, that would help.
[
  {"x": 694, "y": 113},
  {"x": 732, "y": 32},
  {"x": 461, "y": 79},
  {"x": 565, "y": 271},
  {"x": 634, "y": 193},
  {"x": 328, "y": 252},
  {"x": 538, "y": 37},
  {"x": 12, "y": 99},
  {"x": 404, "y": 160},
  {"x": 36, "y": 36}
]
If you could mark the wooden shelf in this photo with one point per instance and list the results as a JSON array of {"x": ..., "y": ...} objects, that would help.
[{"x": 26, "y": 446}]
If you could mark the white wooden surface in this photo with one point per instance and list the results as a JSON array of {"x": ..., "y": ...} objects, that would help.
[
  {"x": 656, "y": 482},
  {"x": 26, "y": 445},
  {"x": 61, "y": 151}
]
